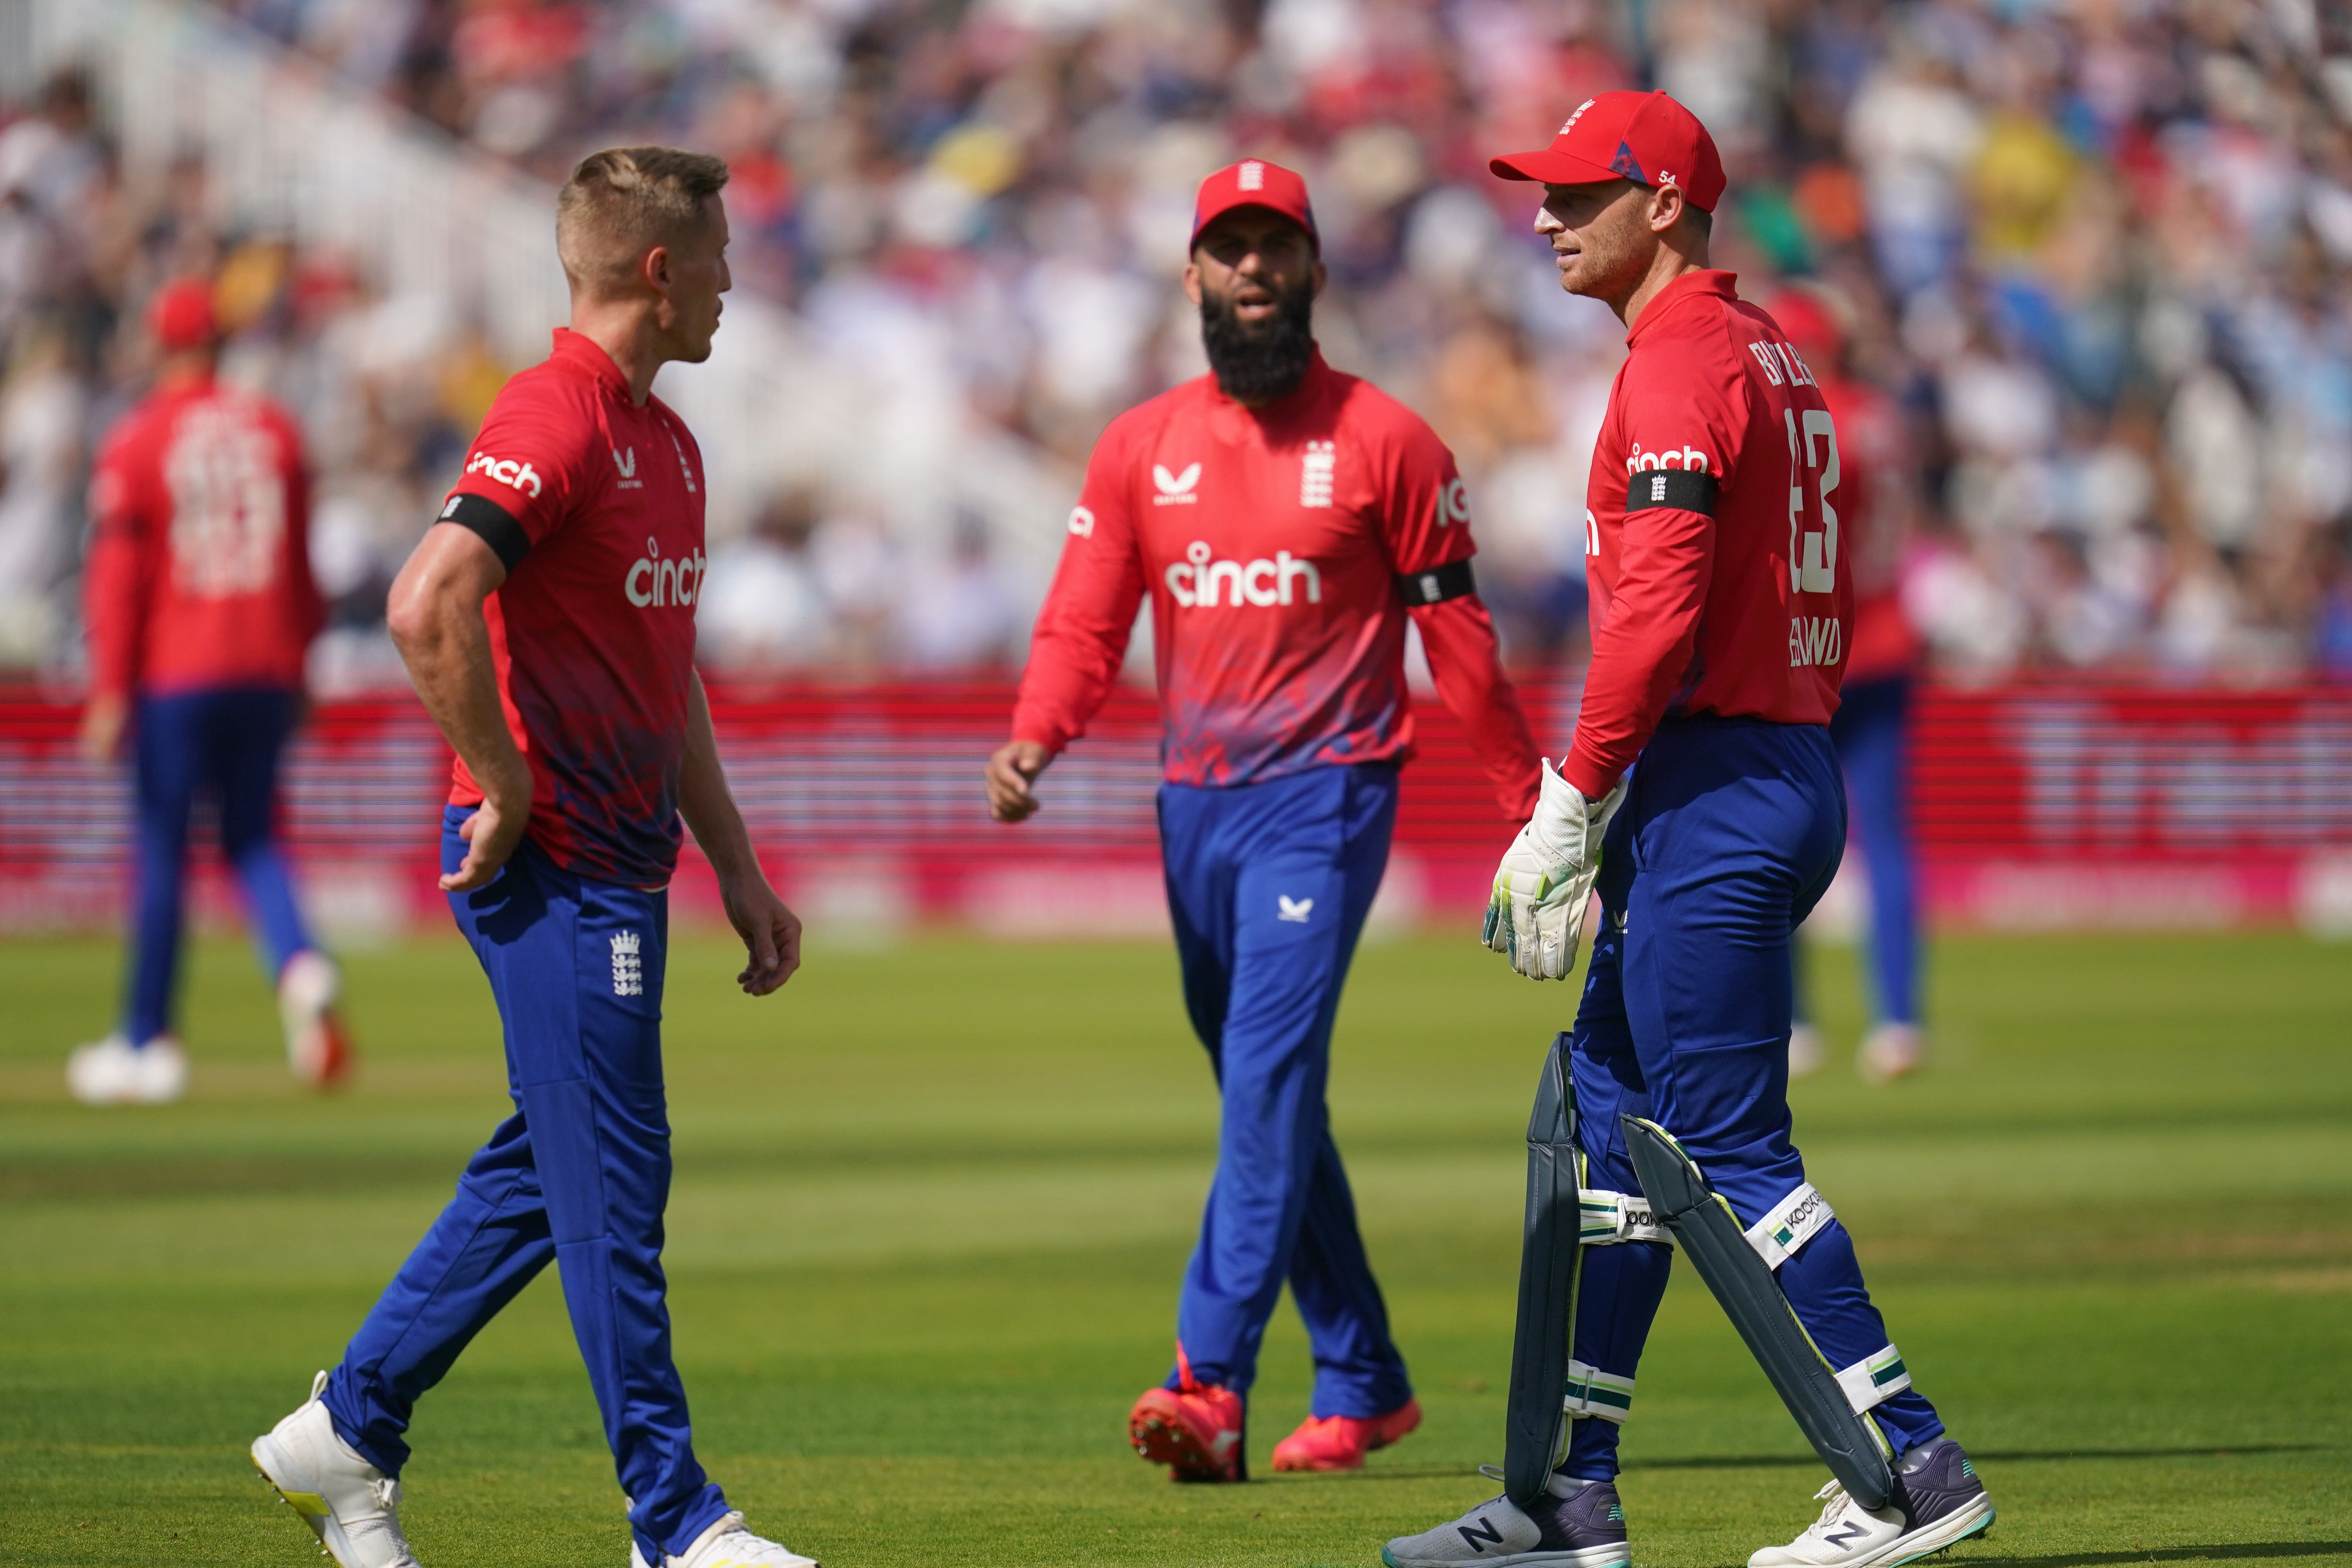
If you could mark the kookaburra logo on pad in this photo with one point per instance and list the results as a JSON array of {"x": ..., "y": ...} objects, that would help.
[{"x": 1175, "y": 490}]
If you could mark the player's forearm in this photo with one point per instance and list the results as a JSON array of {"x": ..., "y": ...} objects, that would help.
[
  {"x": 446, "y": 644},
  {"x": 704, "y": 799},
  {"x": 111, "y": 609},
  {"x": 1467, "y": 663},
  {"x": 1068, "y": 676},
  {"x": 1644, "y": 652}
]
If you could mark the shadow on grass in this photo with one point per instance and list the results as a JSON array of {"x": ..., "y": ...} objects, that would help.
[{"x": 2171, "y": 1554}]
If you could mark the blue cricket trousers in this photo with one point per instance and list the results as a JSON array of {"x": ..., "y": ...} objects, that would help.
[
  {"x": 1269, "y": 884},
  {"x": 1872, "y": 732},
  {"x": 1730, "y": 831},
  {"x": 226, "y": 742},
  {"x": 578, "y": 1175}
]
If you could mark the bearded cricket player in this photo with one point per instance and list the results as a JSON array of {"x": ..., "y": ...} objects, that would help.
[
  {"x": 1701, "y": 797},
  {"x": 547, "y": 620},
  {"x": 1286, "y": 522}
]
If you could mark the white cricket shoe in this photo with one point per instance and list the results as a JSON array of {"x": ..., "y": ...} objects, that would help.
[
  {"x": 1808, "y": 1052},
  {"x": 1891, "y": 1051},
  {"x": 349, "y": 1505},
  {"x": 1940, "y": 1501},
  {"x": 318, "y": 1051},
  {"x": 113, "y": 1071},
  {"x": 727, "y": 1545}
]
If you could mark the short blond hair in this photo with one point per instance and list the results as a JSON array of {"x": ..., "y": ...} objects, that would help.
[{"x": 624, "y": 200}]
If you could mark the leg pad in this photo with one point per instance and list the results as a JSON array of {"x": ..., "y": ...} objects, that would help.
[{"x": 1734, "y": 1267}]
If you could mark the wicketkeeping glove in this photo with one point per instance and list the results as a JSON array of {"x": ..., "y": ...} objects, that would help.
[{"x": 1546, "y": 879}]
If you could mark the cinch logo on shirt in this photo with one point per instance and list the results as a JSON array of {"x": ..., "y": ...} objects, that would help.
[
  {"x": 654, "y": 583},
  {"x": 507, "y": 472},
  {"x": 1204, "y": 583},
  {"x": 1175, "y": 490},
  {"x": 1672, "y": 458}
]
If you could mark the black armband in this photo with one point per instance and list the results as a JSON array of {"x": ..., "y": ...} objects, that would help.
[
  {"x": 1439, "y": 583},
  {"x": 493, "y": 523},
  {"x": 1683, "y": 490}
]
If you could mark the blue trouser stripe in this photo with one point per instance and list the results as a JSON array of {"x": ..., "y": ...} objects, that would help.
[
  {"x": 1263, "y": 991},
  {"x": 226, "y": 744},
  {"x": 579, "y": 1176},
  {"x": 1729, "y": 833}
]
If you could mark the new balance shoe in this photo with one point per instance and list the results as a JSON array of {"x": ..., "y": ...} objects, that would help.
[
  {"x": 727, "y": 1545},
  {"x": 113, "y": 1071},
  {"x": 1575, "y": 1524},
  {"x": 318, "y": 1051},
  {"x": 349, "y": 1505},
  {"x": 1891, "y": 1051},
  {"x": 1940, "y": 1501},
  {"x": 1196, "y": 1430},
  {"x": 1340, "y": 1441}
]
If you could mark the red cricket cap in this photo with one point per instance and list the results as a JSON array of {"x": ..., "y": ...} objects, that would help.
[
  {"x": 1254, "y": 182},
  {"x": 1645, "y": 137},
  {"x": 181, "y": 315},
  {"x": 1811, "y": 322}
]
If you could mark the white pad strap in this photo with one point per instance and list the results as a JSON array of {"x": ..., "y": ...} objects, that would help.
[
  {"x": 1592, "y": 1392},
  {"x": 1875, "y": 1379},
  {"x": 1792, "y": 1222},
  {"x": 1604, "y": 1219}
]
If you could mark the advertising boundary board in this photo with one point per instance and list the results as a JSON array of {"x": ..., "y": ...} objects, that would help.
[{"x": 2040, "y": 806}]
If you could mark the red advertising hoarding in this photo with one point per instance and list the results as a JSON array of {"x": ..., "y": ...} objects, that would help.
[{"x": 2036, "y": 805}]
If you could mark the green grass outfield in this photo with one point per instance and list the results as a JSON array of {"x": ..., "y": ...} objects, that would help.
[{"x": 932, "y": 1203}]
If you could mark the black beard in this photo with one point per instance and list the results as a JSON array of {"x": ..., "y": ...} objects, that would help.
[{"x": 1259, "y": 363}]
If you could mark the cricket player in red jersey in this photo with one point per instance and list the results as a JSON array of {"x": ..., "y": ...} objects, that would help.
[
  {"x": 548, "y": 622},
  {"x": 1872, "y": 728},
  {"x": 1701, "y": 796},
  {"x": 201, "y": 607},
  {"x": 1286, "y": 522}
]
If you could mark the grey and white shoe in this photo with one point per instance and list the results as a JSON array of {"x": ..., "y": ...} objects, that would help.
[
  {"x": 1576, "y": 1524},
  {"x": 1940, "y": 1502}
]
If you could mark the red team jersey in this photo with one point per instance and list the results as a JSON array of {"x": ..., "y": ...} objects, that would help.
[
  {"x": 595, "y": 505},
  {"x": 1279, "y": 547},
  {"x": 199, "y": 574},
  {"x": 1718, "y": 581}
]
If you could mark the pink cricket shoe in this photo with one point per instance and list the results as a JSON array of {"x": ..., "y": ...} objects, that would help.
[
  {"x": 1194, "y": 1429},
  {"x": 1340, "y": 1441}
]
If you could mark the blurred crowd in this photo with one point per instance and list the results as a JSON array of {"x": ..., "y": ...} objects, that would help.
[{"x": 2100, "y": 251}]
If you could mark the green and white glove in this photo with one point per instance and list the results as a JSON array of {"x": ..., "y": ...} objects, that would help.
[{"x": 1537, "y": 912}]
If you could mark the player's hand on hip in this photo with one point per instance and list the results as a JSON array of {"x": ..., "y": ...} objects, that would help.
[
  {"x": 103, "y": 720},
  {"x": 1535, "y": 914},
  {"x": 492, "y": 834},
  {"x": 1011, "y": 770},
  {"x": 771, "y": 931}
]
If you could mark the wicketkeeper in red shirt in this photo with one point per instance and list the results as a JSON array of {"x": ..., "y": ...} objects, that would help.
[
  {"x": 1286, "y": 522},
  {"x": 201, "y": 607},
  {"x": 1701, "y": 794}
]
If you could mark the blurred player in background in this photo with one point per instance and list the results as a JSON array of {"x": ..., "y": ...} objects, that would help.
[
  {"x": 547, "y": 620},
  {"x": 1873, "y": 723},
  {"x": 1288, "y": 522},
  {"x": 1701, "y": 799},
  {"x": 201, "y": 608}
]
